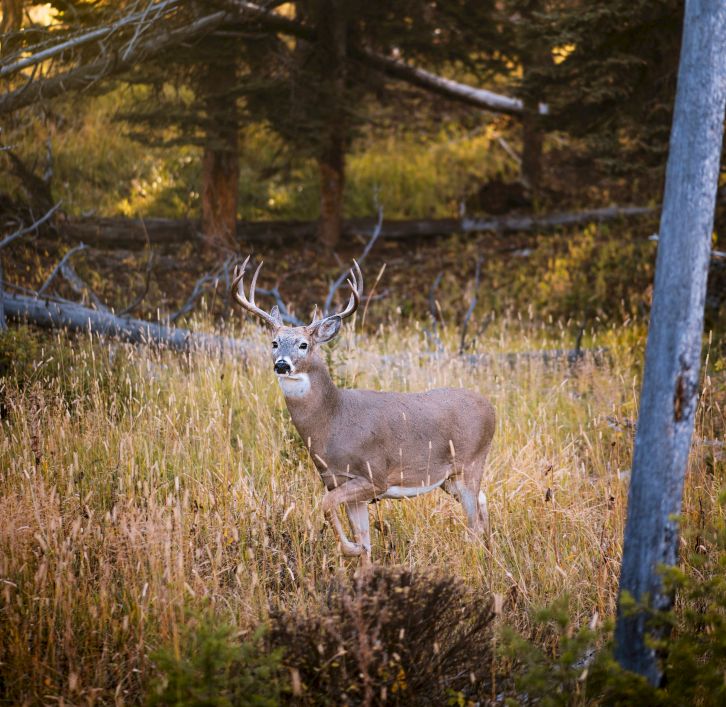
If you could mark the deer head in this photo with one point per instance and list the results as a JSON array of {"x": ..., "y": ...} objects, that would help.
[{"x": 294, "y": 347}]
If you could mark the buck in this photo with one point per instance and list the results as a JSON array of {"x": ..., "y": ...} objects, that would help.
[{"x": 370, "y": 445}]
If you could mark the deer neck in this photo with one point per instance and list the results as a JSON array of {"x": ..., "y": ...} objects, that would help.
[{"x": 311, "y": 399}]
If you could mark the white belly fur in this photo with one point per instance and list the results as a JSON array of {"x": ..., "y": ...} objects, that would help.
[
  {"x": 409, "y": 491},
  {"x": 295, "y": 386}
]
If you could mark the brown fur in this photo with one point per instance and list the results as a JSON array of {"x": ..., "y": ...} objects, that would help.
[{"x": 367, "y": 444}]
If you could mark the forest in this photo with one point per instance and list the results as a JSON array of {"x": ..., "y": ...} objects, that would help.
[{"x": 460, "y": 441}]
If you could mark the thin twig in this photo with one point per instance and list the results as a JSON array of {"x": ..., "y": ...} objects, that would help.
[
  {"x": 35, "y": 225},
  {"x": 57, "y": 268},
  {"x": 101, "y": 33},
  {"x": 335, "y": 286},
  {"x": 370, "y": 298},
  {"x": 147, "y": 283},
  {"x": 472, "y": 304}
]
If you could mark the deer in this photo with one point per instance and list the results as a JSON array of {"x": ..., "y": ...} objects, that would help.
[{"x": 371, "y": 445}]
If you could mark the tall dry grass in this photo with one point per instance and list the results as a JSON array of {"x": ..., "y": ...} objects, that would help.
[{"x": 136, "y": 485}]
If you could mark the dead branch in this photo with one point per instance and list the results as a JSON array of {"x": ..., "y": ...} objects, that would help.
[
  {"x": 286, "y": 315},
  {"x": 37, "y": 55},
  {"x": 80, "y": 286},
  {"x": 197, "y": 291},
  {"x": 145, "y": 290},
  {"x": 86, "y": 75},
  {"x": 335, "y": 286},
  {"x": 472, "y": 304},
  {"x": 453, "y": 90},
  {"x": 57, "y": 268},
  {"x": 28, "y": 229}
]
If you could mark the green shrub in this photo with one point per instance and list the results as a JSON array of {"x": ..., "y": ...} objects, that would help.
[
  {"x": 691, "y": 638},
  {"x": 216, "y": 669}
]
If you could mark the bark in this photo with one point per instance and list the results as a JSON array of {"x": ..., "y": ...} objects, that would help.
[
  {"x": 332, "y": 180},
  {"x": 330, "y": 51},
  {"x": 671, "y": 379},
  {"x": 75, "y": 317},
  {"x": 220, "y": 162},
  {"x": 131, "y": 233},
  {"x": 535, "y": 58}
]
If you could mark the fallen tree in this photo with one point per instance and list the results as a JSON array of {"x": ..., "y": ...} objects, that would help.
[
  {"x": 54, "y": 314},
  {"x": 133, "y": 233}
]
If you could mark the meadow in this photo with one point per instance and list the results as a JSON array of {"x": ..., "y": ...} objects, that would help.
[{"x": 139, "y": 485}]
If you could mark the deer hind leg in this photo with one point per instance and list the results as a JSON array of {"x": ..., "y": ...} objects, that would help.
[
  {"x": 465, "y": 488},
  {"x": 353, "y": 493}
]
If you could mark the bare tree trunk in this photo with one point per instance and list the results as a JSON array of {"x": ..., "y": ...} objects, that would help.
[
  {"x": 332, "y": 28},
  {"x": 672, "y": 361},
  {"x": 220, "y": 162}
]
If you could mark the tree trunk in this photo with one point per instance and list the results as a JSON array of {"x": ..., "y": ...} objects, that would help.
[
  {"x": 220, "y": 162},
  {"x": 536, "y": 57},
  {"x": 331, "y": 50},
  {"x": 672, "y": 361},
  {"x": 332, "y": 180}
]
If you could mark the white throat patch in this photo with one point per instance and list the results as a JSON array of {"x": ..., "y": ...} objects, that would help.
[{"x": 296, "y": 385}]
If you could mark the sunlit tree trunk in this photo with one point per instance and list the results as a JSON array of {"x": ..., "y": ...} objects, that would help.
[
  {"x": 671, "y": 378},
  {"x": 220, "y": 162}
]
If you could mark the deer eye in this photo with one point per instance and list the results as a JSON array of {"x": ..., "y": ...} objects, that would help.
[
  {"x": 274, "y": 344},
  {"x": 303, "y": 345}
]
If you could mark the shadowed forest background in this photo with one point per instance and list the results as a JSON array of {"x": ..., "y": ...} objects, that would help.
[{"x": 497, "y": 168}]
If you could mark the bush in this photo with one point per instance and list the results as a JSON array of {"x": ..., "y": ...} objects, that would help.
[
  {"x": 216, "y": 669},
  {"x": 390, "y": 637}
]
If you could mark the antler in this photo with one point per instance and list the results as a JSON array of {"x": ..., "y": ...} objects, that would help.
[
  {"x": 356, "y": 291},
  {"x": 238, "y": 292}
]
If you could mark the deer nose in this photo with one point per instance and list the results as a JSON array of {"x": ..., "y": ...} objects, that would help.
[{"x": 282, "y": 367}]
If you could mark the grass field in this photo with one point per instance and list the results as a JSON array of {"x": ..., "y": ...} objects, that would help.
[{"x": 136, "y": 485}]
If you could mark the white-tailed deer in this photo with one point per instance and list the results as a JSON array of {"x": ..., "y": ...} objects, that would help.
[{"x": 370, "y": 445}]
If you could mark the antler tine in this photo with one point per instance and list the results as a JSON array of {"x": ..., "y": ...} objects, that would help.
[
  {"x": 356, "y": 291},
  {"x": 238, "y": 292}
]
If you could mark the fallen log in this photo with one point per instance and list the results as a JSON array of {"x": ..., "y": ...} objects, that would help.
[
  {"x": 132, "y": 233},
  {"x": 75, "y": 317}
]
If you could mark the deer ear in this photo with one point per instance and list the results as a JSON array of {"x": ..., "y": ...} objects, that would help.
[
  {"x": 275, "y": 314},
  {"x": 325, "y": 329}
]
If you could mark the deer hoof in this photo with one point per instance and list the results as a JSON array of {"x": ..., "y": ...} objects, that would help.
[{"x": 352, "y": 549}]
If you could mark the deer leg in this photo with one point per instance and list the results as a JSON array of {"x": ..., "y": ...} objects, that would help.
[
  {"x": 354, "y": 492},
  {"x": 472, "y": 500},
  {"x": 360, "y": 522}
]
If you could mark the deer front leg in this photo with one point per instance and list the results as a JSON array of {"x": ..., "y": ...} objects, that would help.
[
  {"x": 361, "y": 525},
  {"x": 353, "y": 493}
]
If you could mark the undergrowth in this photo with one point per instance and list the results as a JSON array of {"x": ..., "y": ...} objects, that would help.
[{"x": 139, "y": 488}]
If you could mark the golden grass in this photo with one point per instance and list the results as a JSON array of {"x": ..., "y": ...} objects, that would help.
[{"x": 135, "y": 485}]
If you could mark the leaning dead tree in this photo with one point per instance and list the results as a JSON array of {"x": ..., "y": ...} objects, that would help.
[{"x": 673, "y": 355}]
